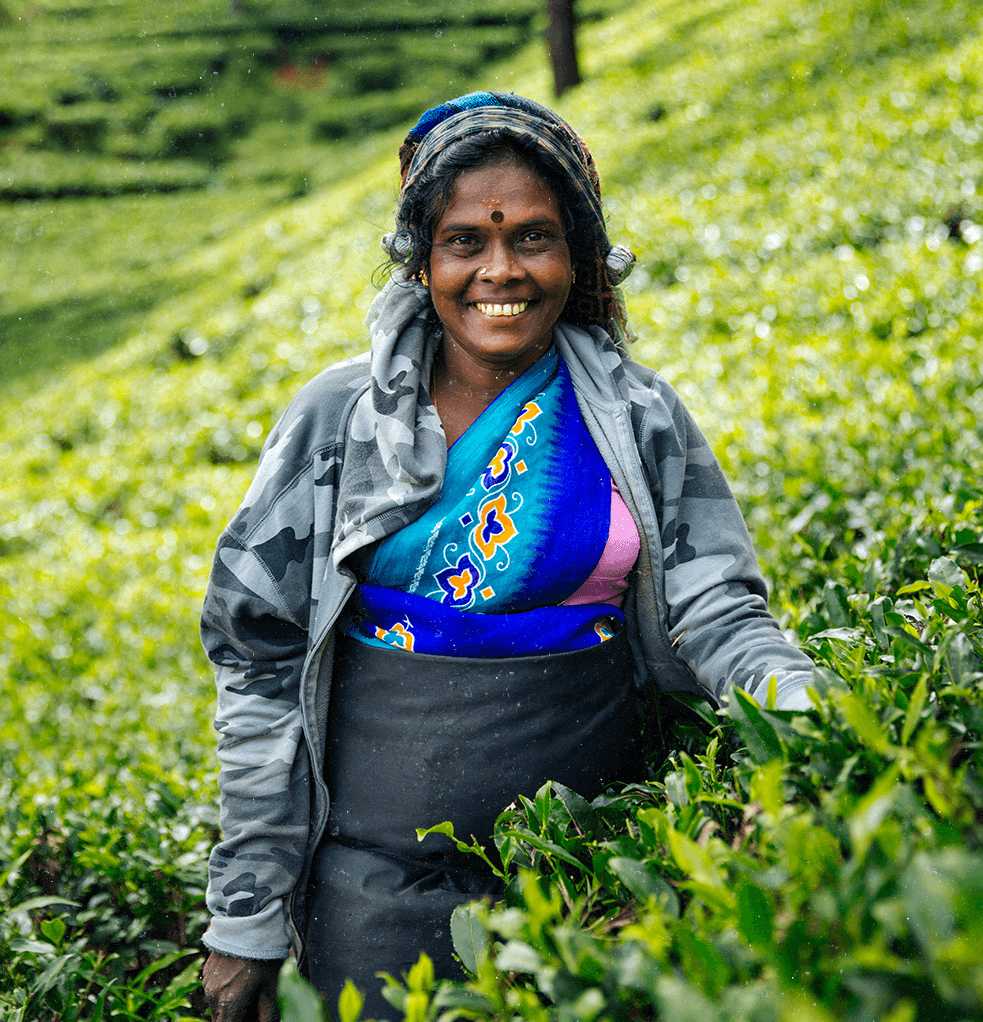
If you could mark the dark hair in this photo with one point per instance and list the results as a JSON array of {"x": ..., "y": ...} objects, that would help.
[{"x": 592, "y": 300}]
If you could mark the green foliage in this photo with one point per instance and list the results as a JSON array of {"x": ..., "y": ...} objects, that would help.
[
  {"x": 297, "y": 1000},
  {"x": 177, "y": 114},
  {"x": 150, "y": 87},
  {"x": 371, "y": 112},
  {"x": 801, "y": 183}
]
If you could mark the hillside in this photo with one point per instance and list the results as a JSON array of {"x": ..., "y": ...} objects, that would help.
[
  {"x": 132, "y": 136},
  {"x": 802, "y": 184}
]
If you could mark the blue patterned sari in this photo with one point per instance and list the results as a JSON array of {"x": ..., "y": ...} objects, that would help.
[{"x": 521, "y": 522}]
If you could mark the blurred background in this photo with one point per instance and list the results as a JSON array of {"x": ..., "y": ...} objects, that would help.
[
  {"x": 188, "y": 121},
  {"x": 191, "y": 201}
]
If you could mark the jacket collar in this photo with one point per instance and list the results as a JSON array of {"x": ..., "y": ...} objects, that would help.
[{"x": 396, "y": 449}]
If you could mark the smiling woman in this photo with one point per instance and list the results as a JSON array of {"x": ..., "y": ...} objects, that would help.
[{"x": 461, "y": 559}]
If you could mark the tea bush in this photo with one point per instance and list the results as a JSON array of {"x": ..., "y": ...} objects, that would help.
[
  {"x": 215, "y": 71},
  {"x": 801, "y": 183}
]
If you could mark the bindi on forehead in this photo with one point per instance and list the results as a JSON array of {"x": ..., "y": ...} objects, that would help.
[{"x": 497, "y": 216}]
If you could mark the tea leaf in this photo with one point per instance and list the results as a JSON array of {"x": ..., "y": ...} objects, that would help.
[
  {"x": 755, "y": 730},
  {"x": 468, "y": 935},
  {"x": 914, "y": 711},
  {"x": 350, "y": 1002},
  {"x": 297, "y": 1000},
  {"x": 755, "y": 916}
]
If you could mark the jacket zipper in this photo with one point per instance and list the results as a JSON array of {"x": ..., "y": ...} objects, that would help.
[
  {"x": 313, "y": 654},
  {"x": 317, "y": 769}
]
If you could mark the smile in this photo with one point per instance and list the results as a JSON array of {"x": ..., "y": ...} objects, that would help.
[{"x": 494, "y": 309}]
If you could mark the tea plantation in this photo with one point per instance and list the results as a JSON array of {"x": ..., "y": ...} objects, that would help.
[{"x": 801, "y": 180}]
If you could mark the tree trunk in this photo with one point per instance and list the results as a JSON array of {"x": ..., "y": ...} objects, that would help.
[{"x": 562, "y": 44}]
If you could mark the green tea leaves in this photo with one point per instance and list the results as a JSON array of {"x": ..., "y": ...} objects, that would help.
[
  {"x": 468, "y": 935},
  {"x": 754, "y": 727}
]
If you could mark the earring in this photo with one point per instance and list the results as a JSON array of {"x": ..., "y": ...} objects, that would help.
[
  {"x": 424, "y": 279},
  {"x": 573, "y": 276}
]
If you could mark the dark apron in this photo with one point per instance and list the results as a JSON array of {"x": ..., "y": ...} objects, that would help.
[{"x": 413, "y": 740}]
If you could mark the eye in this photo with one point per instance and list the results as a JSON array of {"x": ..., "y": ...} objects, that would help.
[
  {"x": 462, "y": 241},
  {"x": 536, "y": 239}
]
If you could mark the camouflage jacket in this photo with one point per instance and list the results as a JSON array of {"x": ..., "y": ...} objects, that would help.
[{"x": 360, "y": 452}]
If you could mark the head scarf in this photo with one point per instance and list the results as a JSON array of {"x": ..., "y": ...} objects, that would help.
[{"x": 442, "y": 126}]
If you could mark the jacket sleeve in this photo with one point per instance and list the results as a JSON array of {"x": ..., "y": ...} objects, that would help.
[
  {"x": 254, "y": 628},
  {"x": 719, "y": 623}
]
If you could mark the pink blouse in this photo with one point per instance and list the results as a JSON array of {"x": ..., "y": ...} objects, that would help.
[{"x": 609, "y": 579}]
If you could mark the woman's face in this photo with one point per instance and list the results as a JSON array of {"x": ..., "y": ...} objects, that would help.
[{"x": 500, "y": 269}]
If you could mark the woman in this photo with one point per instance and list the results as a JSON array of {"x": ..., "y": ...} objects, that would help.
[{"x": 461, "y": 558}]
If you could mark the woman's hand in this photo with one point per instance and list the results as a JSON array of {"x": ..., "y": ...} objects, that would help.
[{"x": 240, "y": 990}]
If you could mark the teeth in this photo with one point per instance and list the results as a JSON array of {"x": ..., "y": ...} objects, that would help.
[{"x": 494, "y": 309}]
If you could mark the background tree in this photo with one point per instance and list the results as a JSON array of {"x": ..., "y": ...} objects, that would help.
[{"x": 561, "y": 40}]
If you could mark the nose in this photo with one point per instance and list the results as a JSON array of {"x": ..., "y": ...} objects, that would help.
[{"x": 500, "y": 266}]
